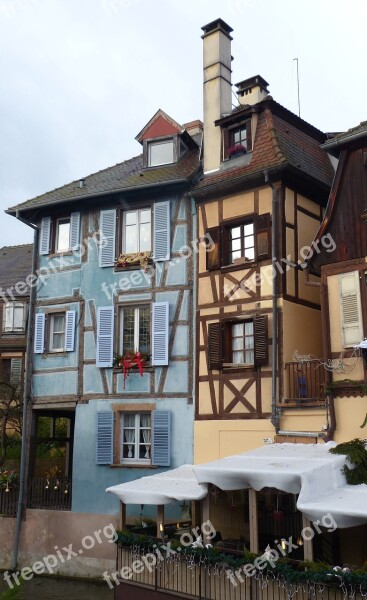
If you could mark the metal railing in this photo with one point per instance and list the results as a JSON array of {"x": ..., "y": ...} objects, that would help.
[
  {"x": 304, "y": 382},
  {"x": 178, "y": 577},
  {"x": 52, "y": 494},
  {"x": 8, "y": 502}
]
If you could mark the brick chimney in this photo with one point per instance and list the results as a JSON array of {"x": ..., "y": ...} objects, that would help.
[{"x": 217, "y": 87}]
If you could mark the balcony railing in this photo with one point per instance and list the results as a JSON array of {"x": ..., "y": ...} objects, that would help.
[
  {"x": 178, "y": 577},
  {"x": 52, "y": 494},
  {"x": 304, "y": 383}
]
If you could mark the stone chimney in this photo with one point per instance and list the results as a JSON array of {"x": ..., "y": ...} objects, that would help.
[
  {"x": 217, "y": 88},
  {"x": 252, "y": 90}
]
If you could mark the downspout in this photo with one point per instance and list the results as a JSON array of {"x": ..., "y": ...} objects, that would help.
[
  {"x": 26, "y": 396},
  {"x": 274, "y": 253}
]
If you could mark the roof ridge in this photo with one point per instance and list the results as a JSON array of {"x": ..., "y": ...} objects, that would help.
[
  {"x": 273, "y": 135},
  {"x": 16, "y": 246}
]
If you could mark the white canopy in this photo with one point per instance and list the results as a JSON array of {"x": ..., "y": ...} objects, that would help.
[
  {"x": 305, "y": 469},
  {"x": 163, "y": 488}
]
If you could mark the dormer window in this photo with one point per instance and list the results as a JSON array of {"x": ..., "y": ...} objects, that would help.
[
  {"x": 237, "y": 140},
  {"x": 160, "y": 153}
]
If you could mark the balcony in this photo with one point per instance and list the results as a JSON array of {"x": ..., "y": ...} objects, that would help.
[{"x": 304, "y": 384}]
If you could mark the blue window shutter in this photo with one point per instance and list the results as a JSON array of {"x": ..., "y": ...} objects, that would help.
[
  {"x": 44, "y": 240},
  {"x": 161, "y": 242},
  {"x": 161, "y": 438},
  {"x": 160, "y": 330},
  {"x": 74, "y": 230},
  {"x": 107, "y": 238},
  {"x": 39, "y": 333},
  {"x": 70, "y": 331},
  {"x": 104, "y": 356},
  {"x": 104, "y": 445}
]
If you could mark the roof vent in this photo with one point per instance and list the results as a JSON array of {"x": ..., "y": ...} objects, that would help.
[{"x": 81, "y": 183}]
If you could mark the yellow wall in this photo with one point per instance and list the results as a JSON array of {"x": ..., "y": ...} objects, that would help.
[
  {"x": 302, "y": 330},
  {"x": 217, "y": 439},
  {"x": 350, "y": 413}
]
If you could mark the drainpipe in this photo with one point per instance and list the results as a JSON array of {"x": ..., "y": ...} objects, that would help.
[
  {"x": 26, "y": 397},
  {"x": 274, "y": 253}
]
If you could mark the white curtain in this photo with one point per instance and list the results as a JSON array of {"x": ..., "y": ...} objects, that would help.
[{"x": 147, "y": 433}]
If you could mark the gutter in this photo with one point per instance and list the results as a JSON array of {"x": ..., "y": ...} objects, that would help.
[
  {"x": 338, "y": 142},
  {"x": 26, "y": 398},
  {"x": 274, "y": 252}
]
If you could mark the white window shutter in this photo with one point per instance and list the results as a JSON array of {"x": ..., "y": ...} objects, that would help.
[
  {"x": 107, "y": 238},
  {"x": 39, "y": 333},
  {"x": 74, "y": 230},
  {"x": 104, "y": 356},
  {"x": 160, "y": 330},
  {"x": 69, "y": 330},
  {"x": 104, "y": 445},
  {"x": 161, "y": 438},
  {"x": 44, "y": 240},
  {"x": 351, "y": 313},
  {"x": 161, "y": 242},
  {"x": 15, "y": 371}
]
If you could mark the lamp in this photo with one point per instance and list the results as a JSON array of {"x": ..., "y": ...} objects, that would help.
[
  {"x": 161, "y": 527},
  {"x": 283, "y": 543},
  {"x": 299, "y": 541}
]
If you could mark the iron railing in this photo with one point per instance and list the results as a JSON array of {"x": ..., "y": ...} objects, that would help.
[
  {"x": 8, "y": 502},
  {"x": 52, "y": 494}
]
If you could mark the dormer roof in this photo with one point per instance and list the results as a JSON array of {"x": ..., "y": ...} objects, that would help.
[{"x": 159, "y": 125}]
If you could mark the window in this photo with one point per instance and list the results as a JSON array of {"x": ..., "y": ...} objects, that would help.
[
  {"x": 137, "y": 231},
  {"x": 136, "y": 437},
  {"x": 242, "y": 343},
  {"x": 234, "y": 342},
  {"x": 134, "y": 328},
  {"x": 238, "y": 242},
  {"x": 58, "y": 336},
  {"x": 241, "y": 243},
  {"x": 11, "y": 371},
  {"x": 131, "y": 436},
  {"x": 62, "y": 243},
  {"x": 14, "y": 317},
  {"x": 59, "y": 235},
  {"x": 57, "y": 332},
  {"x": 160, "y": 153},
  {"x": 237, "y": 139}
]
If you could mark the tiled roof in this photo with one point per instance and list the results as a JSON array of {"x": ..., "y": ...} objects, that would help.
[
  {"x": 353, "y": 130},
  {"x": 123, "y": 176},
  {"x": 15, "y": 266},
  {"x": 279, "y": 141}
]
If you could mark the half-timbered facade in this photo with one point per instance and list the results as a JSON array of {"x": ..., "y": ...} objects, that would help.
[
  {"x": 113, "y": 346},
  {"x": 343, "y": 286},
  {"x": 260, "y": 203}
]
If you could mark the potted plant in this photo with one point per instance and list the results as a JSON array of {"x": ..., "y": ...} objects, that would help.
[
  {"x": 132, "y": 259},
  {"x": 131, "y": 361},
  {"x": 236, "y": 150}
]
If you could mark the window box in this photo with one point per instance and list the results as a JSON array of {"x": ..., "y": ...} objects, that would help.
[
  {"x": 236, "y": 150},
  {"x": 130, "y": 362},
  {"x": 132, "y": 259}
]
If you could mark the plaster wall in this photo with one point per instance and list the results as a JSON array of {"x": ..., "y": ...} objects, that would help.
[{"x": 42, "y": 530}]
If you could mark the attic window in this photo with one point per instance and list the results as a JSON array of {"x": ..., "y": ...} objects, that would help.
[
  {"x": 160, "y": 153},
  {"x": 237, "y": 139}
]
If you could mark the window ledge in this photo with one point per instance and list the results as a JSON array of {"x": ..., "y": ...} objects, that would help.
[
  {"x": 56, "y": 354},
  {"x": 60, "y": 254},
  {"x": 241, "y": 159},
  {"x": 238, "y": 267},
  {"x": 237, "y": 367},
  {"x": 146, "y": 369},
  {"x": 132, "y": 466}
]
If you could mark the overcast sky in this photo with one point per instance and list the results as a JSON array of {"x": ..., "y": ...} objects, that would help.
[{"x": 80, "y": 78}]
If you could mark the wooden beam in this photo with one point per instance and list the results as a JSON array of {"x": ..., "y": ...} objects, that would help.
[
  {"x": 205, "y": 512},
  {"x": 307, "y": 544},
  {"x": 160, "y": 521},
  {"x": 122, "y": 515},
  {"x": 254, "y": 530}
]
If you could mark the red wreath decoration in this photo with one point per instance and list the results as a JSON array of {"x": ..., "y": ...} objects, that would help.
[{"x": 132, "y": 360}]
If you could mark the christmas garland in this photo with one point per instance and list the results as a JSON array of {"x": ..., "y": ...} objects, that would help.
[
  {"x": 356, "y": 453},
  {"x": 284, "y": 570}
]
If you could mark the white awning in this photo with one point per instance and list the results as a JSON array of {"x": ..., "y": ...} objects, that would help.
[
  {"x": 163, "y": 488},
  {"x": 308, "y": 470}
]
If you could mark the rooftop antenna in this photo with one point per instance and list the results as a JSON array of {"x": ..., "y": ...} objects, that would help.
[{"x": 299, "y": 105}]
